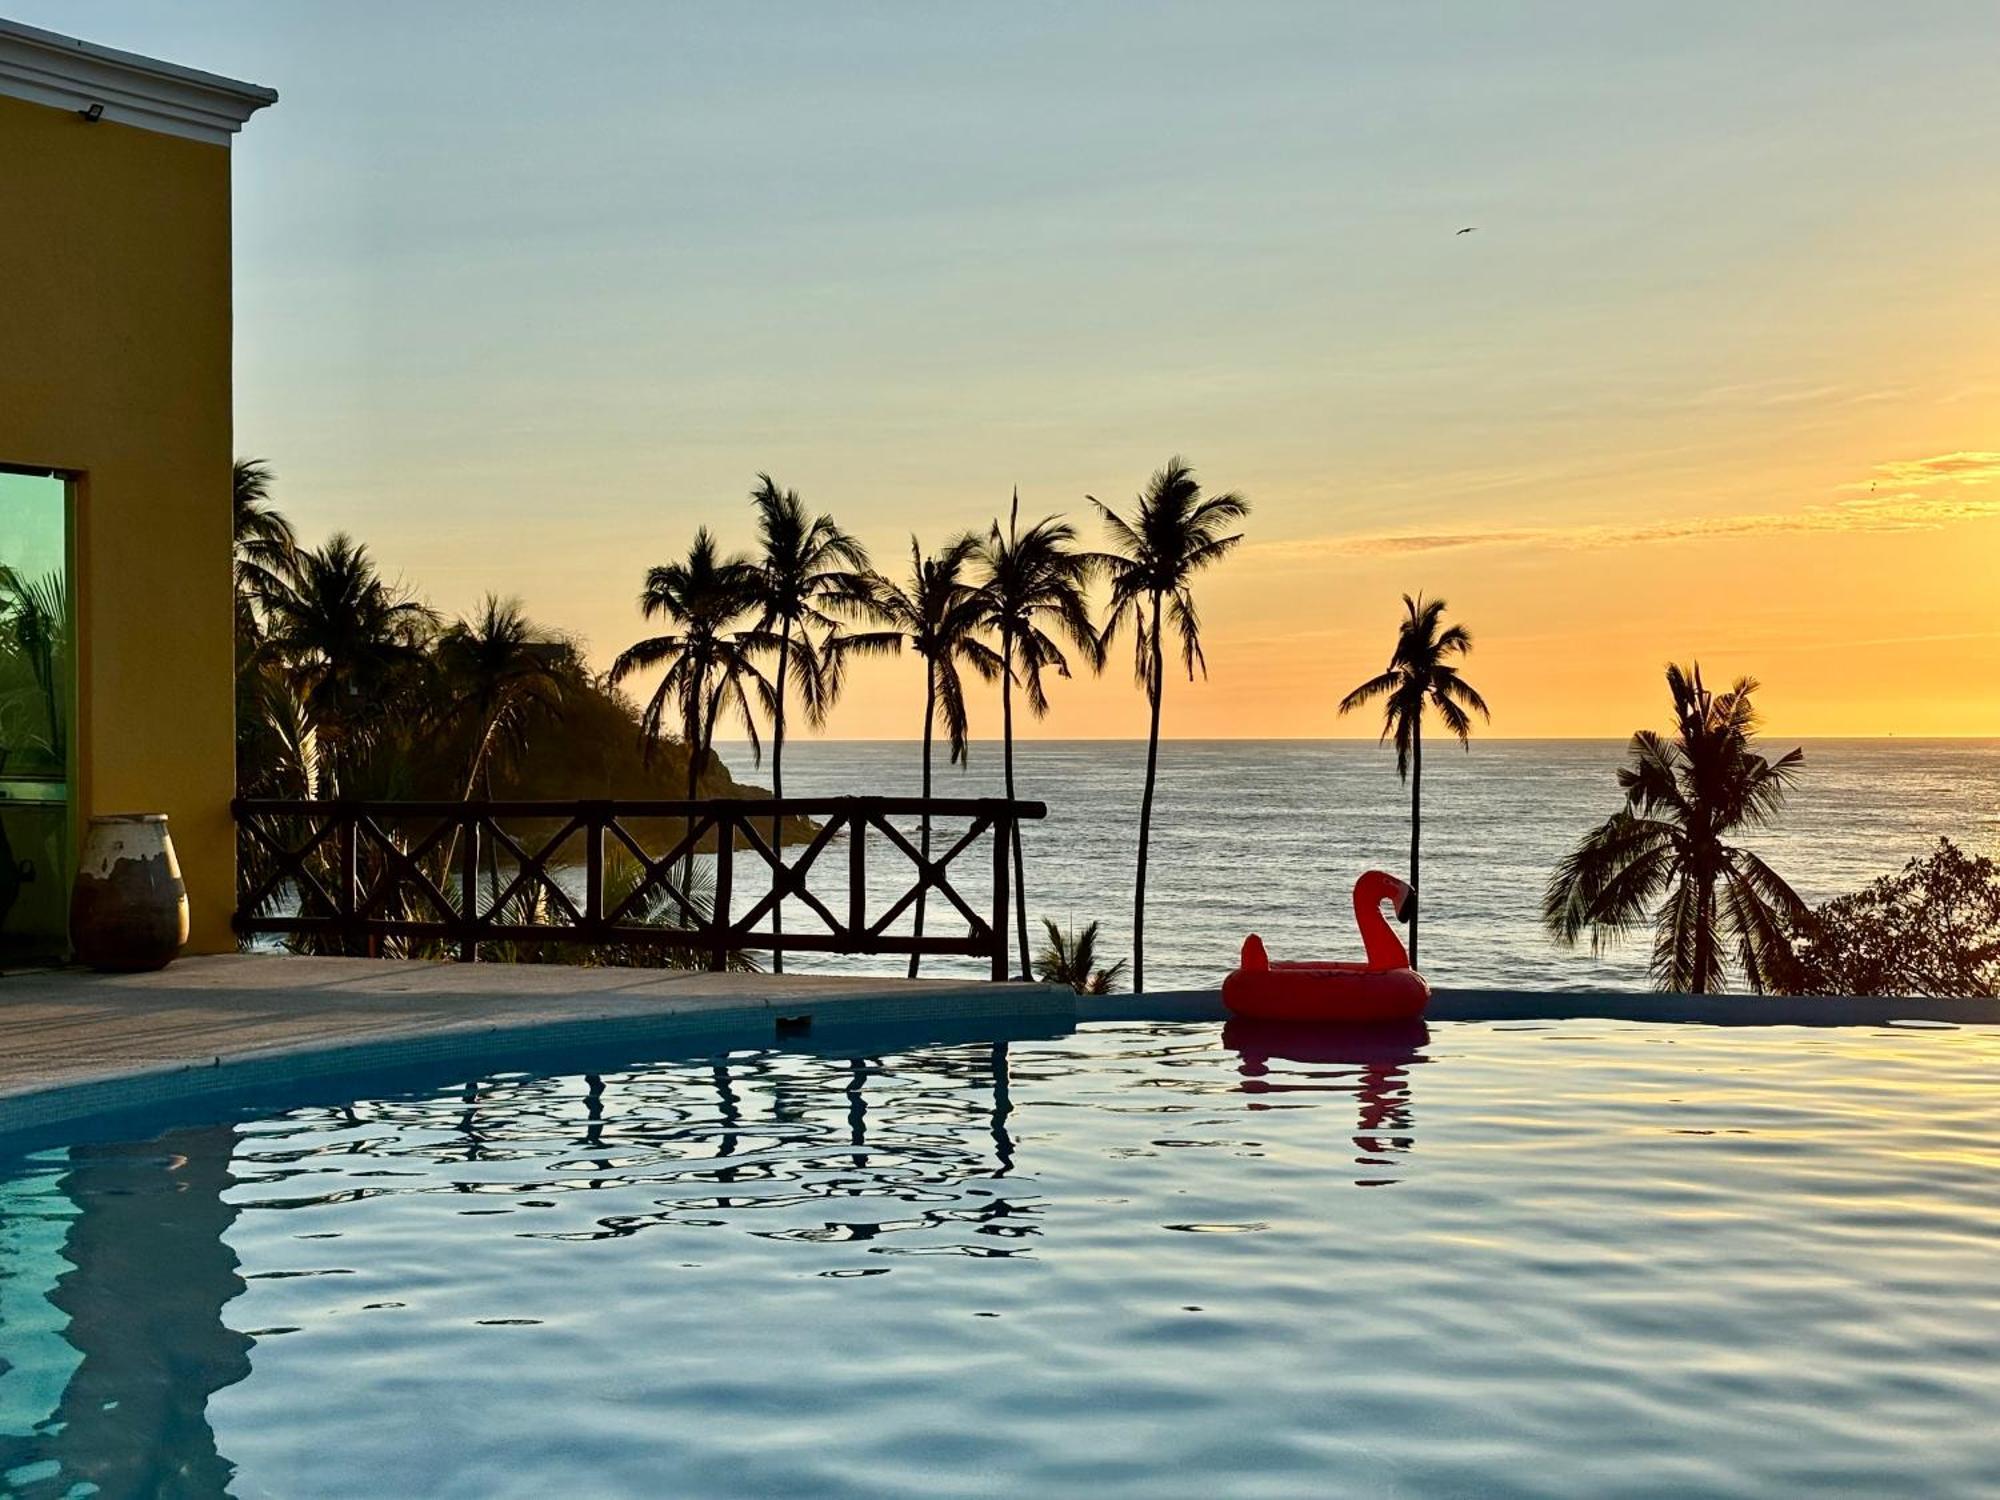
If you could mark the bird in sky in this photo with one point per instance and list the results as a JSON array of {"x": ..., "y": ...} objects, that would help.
[{"x": 1468, "y": 229}]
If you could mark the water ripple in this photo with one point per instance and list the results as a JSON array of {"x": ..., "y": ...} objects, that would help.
[{"x": 1593, "y": 1260}]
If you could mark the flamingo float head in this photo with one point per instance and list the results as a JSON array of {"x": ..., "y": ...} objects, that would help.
[
  {"x": 1385, "y": 949},
  {"x": 1406, "y": 902},
  {"x": 1377, "y": 886}
]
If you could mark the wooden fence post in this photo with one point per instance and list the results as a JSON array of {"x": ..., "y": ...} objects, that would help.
[
  {"x": 857, "y": 873},
  {"x": 348, "y": 820},
  {"x": 593, "y": 816},
  {"x": 725, "y": 874},
  {"x": 468, "y": 890}
]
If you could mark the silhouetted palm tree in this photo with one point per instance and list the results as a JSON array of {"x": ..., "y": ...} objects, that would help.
[
  {"x": 1684, "y": 797},
  {"x": 939, "y": 613},
  {"x": 1419, "y": 675},
  {"x": 707, "y": 657},
  {"x": 1071, "y": 959},
  {"x": 1032, "y": 585},
  {"x": 500, "y": 673},
  {"x": 352, "y": 646},
  {"x": 267, "y": 550},
  {"x": 278, "y": 750},
  {"x": 808, "y": 576},
  {"x": 276, "y": 741},
  {"x": 497, "y": 674},
  {"x": 1174, "y": 533}
]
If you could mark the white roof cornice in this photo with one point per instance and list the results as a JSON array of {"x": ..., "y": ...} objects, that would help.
[{"x": 48, "y": 68}]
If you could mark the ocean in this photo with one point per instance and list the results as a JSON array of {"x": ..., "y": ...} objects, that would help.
[{"x": 1267, "y": 836}]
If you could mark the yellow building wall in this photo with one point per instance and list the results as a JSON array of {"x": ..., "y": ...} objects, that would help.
[{"x": 115, "y": 367}]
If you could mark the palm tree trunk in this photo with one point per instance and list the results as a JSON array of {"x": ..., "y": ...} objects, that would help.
[
  {"x": 778, "y": 792},
  {"x": 1156, "y": 681},
  {"x": 492, "y": 849},
  {"x": 696, "y": 755},
  {"x": 1021, "y": 901},
  {"x": 694, "y": 780},
  {"x": 930, "y": 715},
  {"x": 1704, "y": 935},
  {"x": 1007, "y": 760},
  {"x": 477, "y": 771},
  {"x": 1416, "y": 826}
]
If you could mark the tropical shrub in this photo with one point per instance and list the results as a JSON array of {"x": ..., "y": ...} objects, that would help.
[
  {"x": 1071, "y": 958},
  {"x": 1931, "y": 929}
]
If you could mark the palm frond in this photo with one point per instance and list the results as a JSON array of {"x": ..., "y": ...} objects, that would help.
[{"x": 1373, "y": 688}]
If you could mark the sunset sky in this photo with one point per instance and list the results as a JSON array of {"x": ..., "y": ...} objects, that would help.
[{"x": 526, "y": 293}]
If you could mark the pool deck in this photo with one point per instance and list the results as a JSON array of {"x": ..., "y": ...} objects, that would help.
[
  {"x": 72, "y": 1041},
  {"x": 75, "y": 1043}
]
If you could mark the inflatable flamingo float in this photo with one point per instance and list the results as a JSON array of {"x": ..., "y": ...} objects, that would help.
[{"x": 1380, "y": 990}]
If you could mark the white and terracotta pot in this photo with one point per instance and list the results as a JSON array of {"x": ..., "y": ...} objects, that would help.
[{"x": 128, "y": 909}]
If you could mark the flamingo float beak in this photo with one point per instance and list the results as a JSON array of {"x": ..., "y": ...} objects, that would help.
[{"x": 1406, "y": 903}]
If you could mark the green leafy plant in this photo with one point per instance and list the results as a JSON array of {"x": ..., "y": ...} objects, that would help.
[
  {"x": 34, "y": 668},
  {"x": 1070, "y": 958},
  {"x": 1931, "y": 929}
]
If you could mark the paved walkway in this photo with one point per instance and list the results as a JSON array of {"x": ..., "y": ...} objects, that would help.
[{"x": 62, "y": 1028}]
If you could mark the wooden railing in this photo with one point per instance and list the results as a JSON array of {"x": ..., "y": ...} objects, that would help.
[{"x": 453, "y": 876}]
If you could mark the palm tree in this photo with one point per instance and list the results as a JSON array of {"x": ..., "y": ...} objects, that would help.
[
  {"x": 277, "y": 744},
  {"x": 1070, "y": 958},
  {"x": 1421, "y": 675},
  {"x": 267, "y": 549},
  {"x": 352, "y": 646},
  {"x": 1684, "y": 798},
  {"x": 1174, "y": 534},
  {"x": 1032, "y": 585},
  {"x": 35, "y": 650},
  {"x": 939, "y": 614},
  {"x": 808, "y": 574},
  {"x": 500, "y": 672},
  {"x": 708, "y": 659}
]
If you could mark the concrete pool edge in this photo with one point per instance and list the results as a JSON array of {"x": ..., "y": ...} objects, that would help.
[
  {"x": 196, "y": 1054},
  {"x": 102, "y": 1044},
  {"x": 1603, "y": 1005}
]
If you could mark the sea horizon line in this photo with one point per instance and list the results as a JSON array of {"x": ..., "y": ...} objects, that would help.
[{"x": 1766, "y": 735}]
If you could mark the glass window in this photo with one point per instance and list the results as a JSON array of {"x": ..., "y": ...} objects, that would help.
[{"x": 37, "y": 688}]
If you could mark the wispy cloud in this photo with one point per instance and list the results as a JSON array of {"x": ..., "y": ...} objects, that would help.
[
  {"x": 1946, "y": 468},
  {"x": 1907, "y": 495}
]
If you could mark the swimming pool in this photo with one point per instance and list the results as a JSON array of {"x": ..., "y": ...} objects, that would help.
[{"x": 1144, "y": 1259}]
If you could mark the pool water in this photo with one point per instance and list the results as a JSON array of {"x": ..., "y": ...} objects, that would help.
[{"x": 1582, "y": 1259}]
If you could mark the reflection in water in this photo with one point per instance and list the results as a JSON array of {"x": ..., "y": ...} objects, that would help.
[
  {"x": 1114, "y": 1262},
  {"x": 1003, "y": 1106},
  {"x": 1371, "y": 1063},
  {"x": 149, "y": 1273},
  {"x": 593, "y": 1110},
  {"x": 888, "y": 1155},
  {"x": 774, "y": 1131}
]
